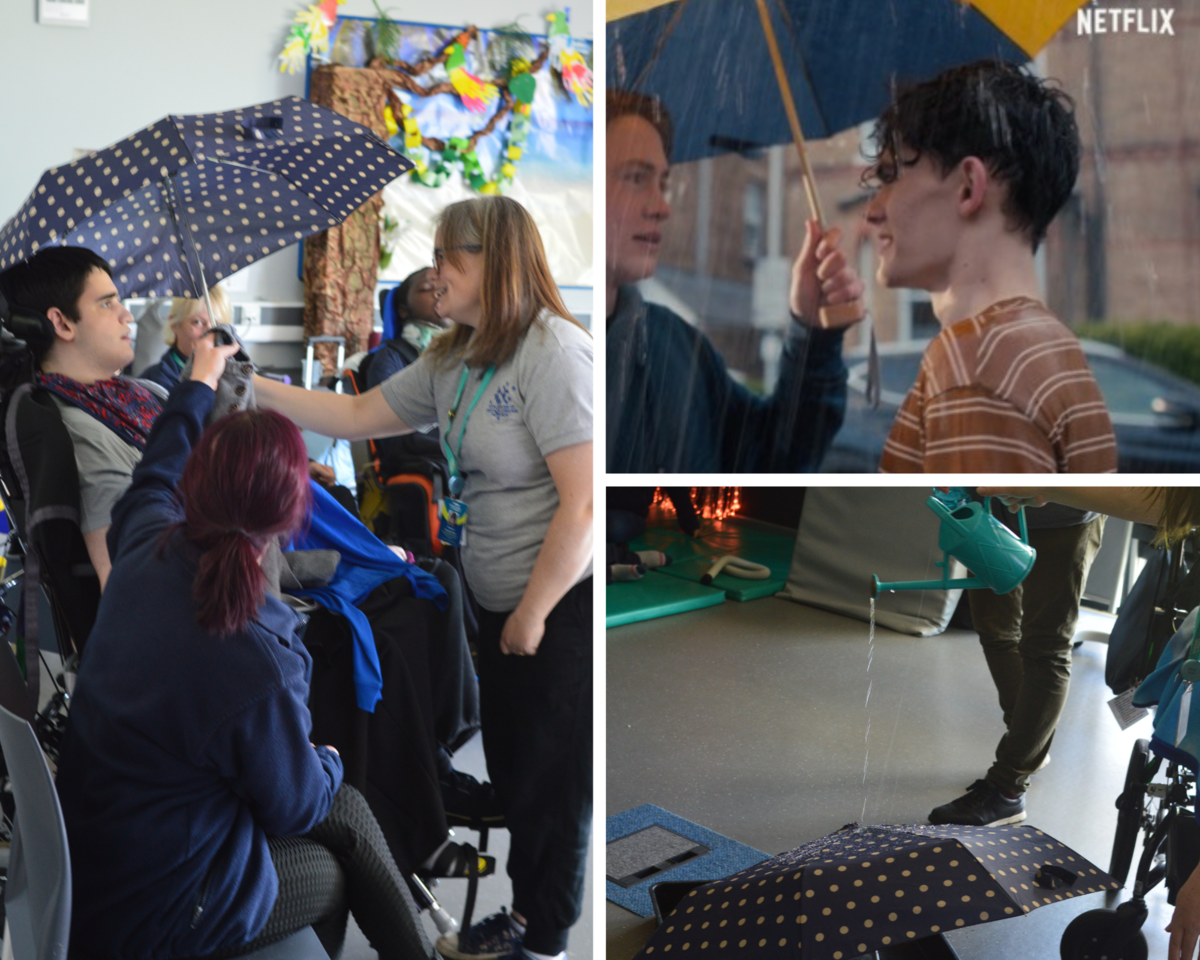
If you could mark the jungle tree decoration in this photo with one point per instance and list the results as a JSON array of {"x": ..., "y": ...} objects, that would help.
[
  {"x": 509, "y": 95},
  {"x": 385, "y": 31}
]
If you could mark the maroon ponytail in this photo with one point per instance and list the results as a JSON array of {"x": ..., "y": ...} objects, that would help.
[{"x": 245, "y": 483}]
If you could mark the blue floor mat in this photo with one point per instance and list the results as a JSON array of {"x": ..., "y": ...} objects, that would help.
[{"x": 727, "y": 856}]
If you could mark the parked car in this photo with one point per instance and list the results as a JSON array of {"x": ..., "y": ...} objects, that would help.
[{"x": 1155, "y": 413}]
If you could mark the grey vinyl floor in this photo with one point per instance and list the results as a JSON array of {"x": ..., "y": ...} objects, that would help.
[
  {"x": 753, "y": 719},
  {"x": 494, "y": 891}
]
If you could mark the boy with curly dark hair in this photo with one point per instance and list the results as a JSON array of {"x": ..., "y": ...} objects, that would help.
[{"x": 971, "y": 168}]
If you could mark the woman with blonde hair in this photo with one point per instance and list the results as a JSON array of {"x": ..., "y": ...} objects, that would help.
[
  {"x": 510, "y": 388},
  {"x": 187, "y": 322}
]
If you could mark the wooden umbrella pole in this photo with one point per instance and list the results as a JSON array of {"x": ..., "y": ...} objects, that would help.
[
  {"x": 789, "y": 107},
  {"x": 832, "y": 315}
]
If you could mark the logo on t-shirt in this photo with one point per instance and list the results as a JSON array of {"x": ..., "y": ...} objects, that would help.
[{"x": 502, "y": 403}]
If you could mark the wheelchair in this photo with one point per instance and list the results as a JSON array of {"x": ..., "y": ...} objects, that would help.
[
  {"x": 1157, "y": 800},
  {"x": 40, "y": 489}
]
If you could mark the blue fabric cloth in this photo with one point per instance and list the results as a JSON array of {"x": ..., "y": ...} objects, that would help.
[
  {"x": 673, "y": 408},
  {"x": 166, "y": 372},
  {"x": 389, "y": 314},
  {"x": 1164, "y": 680},
  {"x": 1177, "y": 714},
  {"x": 184, "y": 751},
  {"x": 366, "y": 563}
]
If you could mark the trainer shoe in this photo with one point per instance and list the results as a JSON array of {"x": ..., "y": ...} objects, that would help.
[
  {"x": 983, "y": 805},
  {"x": 491, "y": 938}
]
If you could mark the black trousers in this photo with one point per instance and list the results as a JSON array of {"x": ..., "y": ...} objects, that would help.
[
  {"x": 537, "y": 737},
  {"x": 390, "y": 754},
  {"x": 342, "y": 865}
]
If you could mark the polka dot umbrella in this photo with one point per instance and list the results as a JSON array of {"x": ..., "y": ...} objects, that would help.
[
  {"x": 865, "y": 888},
  {"x": 190, "y": 200}
]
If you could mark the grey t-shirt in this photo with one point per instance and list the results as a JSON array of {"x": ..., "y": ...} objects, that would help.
[
  {"x": 538, "y": 402},
  {"x": 105, "y": 463}
]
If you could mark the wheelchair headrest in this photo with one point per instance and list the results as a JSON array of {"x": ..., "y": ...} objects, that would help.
[{"x": 34, "y": 329}]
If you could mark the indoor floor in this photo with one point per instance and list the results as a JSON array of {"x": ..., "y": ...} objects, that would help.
[{"x": 751, "y": 719}]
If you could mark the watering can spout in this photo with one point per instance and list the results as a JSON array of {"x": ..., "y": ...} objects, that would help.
[{"x": 971, "y": 535}]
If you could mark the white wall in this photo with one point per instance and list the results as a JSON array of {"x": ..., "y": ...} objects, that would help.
[{"x": 63, "y": 88}]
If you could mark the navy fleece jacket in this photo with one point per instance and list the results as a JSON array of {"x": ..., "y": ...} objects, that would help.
[{"x": 184, "y": 751}]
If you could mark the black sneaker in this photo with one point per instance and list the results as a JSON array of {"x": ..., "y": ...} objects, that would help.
[
  {"x": 469, "y": 803},
  {"x": 490, "y": 939},
  {"x": 983, "y": 805}
]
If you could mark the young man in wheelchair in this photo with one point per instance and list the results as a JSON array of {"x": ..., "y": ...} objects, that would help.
[{"x": 68, "y": 310}]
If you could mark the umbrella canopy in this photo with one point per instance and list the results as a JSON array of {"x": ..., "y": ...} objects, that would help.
[
  {"x": 864, "y": 888},
  {"x": 191, "y": 199},
  {"x": 708, "y": 60}
]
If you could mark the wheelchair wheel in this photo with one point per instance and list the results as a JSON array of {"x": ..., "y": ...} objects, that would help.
[
  {"x": 1130, "y": 806},
  {"x": 1104, "y": 935}
]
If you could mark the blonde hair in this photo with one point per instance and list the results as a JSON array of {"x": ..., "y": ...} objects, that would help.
[
  {"x": 516, "y": 287},
  {"x": 184, "y": 308},
  {"x": 1180, "y": 511}
]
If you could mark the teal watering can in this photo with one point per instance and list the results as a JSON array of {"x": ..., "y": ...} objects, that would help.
[{"x": 972, "y": 536}]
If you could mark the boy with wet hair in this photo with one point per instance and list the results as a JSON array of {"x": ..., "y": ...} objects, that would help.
[
  {"x": 971, "y": 169},
  {"x": 672, "y": 405}
]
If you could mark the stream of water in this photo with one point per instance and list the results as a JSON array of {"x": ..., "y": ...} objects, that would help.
[{"x": 867, "y": 708}]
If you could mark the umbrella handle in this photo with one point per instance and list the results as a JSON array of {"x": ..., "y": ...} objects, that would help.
[
  {"x": 1051, "y": 877},
  {"x": 789, "y": 107},
  {"x": 832, "y": 316}
]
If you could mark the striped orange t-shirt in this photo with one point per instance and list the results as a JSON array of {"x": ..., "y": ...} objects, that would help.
[{"x": 1007, "y": 391}]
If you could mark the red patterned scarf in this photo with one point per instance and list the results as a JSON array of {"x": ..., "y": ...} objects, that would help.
[{"x": 125, "y": 407}]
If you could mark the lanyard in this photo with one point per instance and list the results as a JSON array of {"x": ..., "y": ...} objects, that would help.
[{"x": 452, "y": 456}]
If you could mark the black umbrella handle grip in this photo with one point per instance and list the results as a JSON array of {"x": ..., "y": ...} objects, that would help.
[
  {"x": 1052, "y": 877},
  {"x": 223, "y": 337}
]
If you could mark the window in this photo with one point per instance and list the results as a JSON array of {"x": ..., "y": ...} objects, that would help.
[{"x": 754, "y": 221}]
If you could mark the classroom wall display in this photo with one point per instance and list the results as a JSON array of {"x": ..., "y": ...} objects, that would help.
[{"x": 480, "y": 112}]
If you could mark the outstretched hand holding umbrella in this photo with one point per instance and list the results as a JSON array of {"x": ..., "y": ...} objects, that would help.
[{"x": 823, "y": 283}]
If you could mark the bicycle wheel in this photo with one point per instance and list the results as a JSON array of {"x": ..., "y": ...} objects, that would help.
[{"x": 1130, "y": 806}]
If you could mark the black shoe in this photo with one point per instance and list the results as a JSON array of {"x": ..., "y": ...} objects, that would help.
[
  {"x": 983, "y": 805},
  {"x": 492, "y": 938},
  {"x": 469, "y": 803}
]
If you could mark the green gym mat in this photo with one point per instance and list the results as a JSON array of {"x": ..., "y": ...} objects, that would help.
[
  {"x": 655, "y": 596},
  {"x": 692, "y": 557}
]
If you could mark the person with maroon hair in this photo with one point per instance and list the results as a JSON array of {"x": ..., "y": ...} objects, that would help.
[{"x": 201, "y": 819}]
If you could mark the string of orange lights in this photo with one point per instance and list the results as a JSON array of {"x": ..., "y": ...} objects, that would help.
[{"x": 711, "y": 503}]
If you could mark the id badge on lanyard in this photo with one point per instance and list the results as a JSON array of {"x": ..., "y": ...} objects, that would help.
[{"x": 452, "y": 512}]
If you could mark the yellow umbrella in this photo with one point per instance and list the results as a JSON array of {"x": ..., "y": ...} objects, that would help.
[{"x": 1028, "y": 23}]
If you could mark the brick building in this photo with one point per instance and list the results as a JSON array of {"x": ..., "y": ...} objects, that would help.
[{"x": 1126, "y": 247}]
